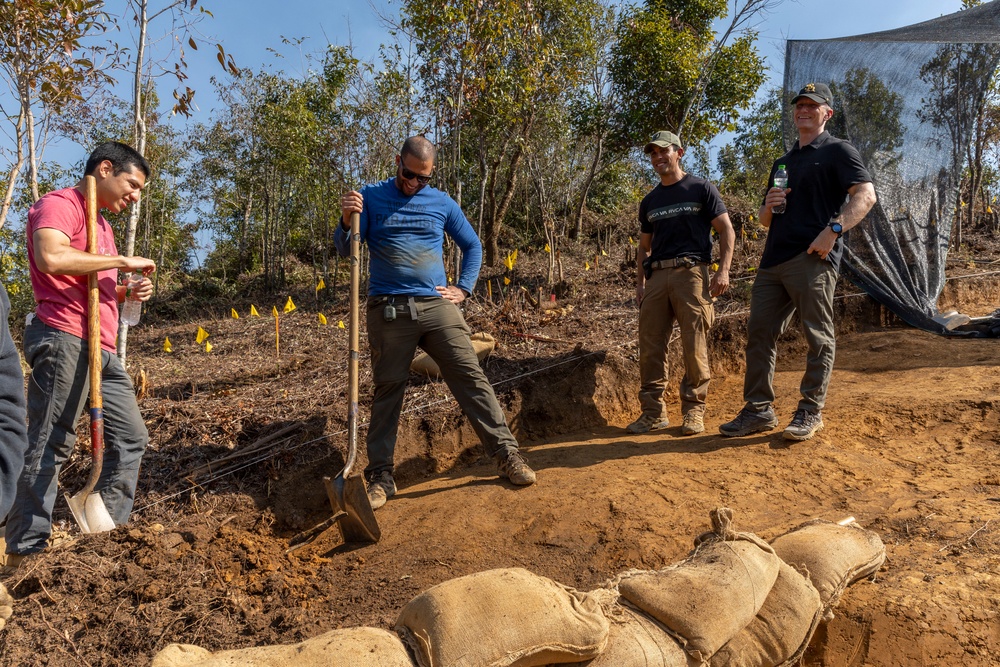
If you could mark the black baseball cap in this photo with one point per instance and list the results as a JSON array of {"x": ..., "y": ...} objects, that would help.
[{"x": 817, "y": 92}]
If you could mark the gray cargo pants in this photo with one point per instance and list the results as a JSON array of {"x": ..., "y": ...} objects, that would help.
[
  {"x": 804, "y": 283},
  {"x": 57, "y": 393}
]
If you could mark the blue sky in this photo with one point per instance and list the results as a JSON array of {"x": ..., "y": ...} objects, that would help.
[{"x": 248, "y": 28}]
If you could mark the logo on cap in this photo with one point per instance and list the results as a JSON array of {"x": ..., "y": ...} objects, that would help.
[{"x": 810, "y": 88}]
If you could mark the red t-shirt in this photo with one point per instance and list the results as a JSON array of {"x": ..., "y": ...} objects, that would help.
[{"x": 62, "y": 300}]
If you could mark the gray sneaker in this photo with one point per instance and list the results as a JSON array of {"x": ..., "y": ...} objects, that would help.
[
  {"x": 512, "y": 466},
  {"x": 804, "y": 424},
  {"x": 749, "y": 421},
  {"x": 381, "y": 487},
  {"x": 646, "y": 423}
]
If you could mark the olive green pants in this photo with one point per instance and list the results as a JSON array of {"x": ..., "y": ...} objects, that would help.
[
  {"x": 438, "y": 327},
  {"x": 805, "y": 284}
]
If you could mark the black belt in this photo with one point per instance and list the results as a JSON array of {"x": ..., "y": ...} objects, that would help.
[{"x": 675, "y": 262}]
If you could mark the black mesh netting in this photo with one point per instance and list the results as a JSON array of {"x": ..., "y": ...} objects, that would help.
[{"x": 907, "y": 99}]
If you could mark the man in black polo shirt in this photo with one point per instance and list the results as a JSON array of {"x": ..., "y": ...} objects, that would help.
[
  {"x": 675, "y": 247},
  {"x": 800, "y": 265}
]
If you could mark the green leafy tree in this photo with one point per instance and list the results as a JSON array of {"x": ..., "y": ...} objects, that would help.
[
  {"x": 46, "y": 67},
  {"x": 672, "y": 71},
  {"x": 745, "y": 162},
  {"x": 511, "y": 60}
]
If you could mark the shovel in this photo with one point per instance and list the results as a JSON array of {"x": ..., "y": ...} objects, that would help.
[
  {"x": 88, "y": 507},
  {"x": 347, "y": 492}
]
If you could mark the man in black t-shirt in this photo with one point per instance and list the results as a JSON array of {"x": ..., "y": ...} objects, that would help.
[
  {"x": 799, "y": 268},
  {"x": 675, "y": 248}
]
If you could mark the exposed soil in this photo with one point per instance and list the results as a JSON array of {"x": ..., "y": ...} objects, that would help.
[{"x": 909, "y": 449}]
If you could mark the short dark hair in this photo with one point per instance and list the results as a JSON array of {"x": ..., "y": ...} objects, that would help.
[
  {"x": 121, "y": 156},
  {"x": 420, "y": 148}
]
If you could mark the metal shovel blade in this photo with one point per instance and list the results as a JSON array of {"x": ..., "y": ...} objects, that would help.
[
  {"x": 90, "y": 512},
  {"x": 348, "y": 495}
]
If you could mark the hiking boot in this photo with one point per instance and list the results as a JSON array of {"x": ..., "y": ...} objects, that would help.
[
  {"x": 749, "y": 421},
  {"x": 804, "y": 424},
  {"x": 512, "y": 466},
  {"x": 694, "y": 422},
  {"x": 10, "y": 563},
  {"x": 381, "y": 487},
  {"x": 646, "y": 423}
]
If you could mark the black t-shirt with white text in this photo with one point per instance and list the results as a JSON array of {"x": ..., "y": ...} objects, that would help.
[
  {"x": 679, "y": 216},
  {"x": 819, "y": 174}
]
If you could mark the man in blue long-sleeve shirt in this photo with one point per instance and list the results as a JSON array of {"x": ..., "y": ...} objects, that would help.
[{"x": 410, "y": 303}]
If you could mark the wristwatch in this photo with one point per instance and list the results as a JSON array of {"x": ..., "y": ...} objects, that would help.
[{"x": 837, "y": 228}]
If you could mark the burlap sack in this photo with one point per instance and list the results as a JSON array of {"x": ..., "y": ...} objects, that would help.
[
  {"x": 352, "y": 647},
  {"x": 482, "y": 343},
  {"x": 713, "y": 594},
  {"x": 781, "y": 631},
  {"x": 6, "y": 606},
  {"x": 636, "y": 640},
  {"x": 502, "y": 618},
  {"x": 834, "y": 556}
]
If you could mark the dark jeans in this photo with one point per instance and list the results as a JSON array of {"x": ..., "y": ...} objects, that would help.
[
  {"x": 57, "y": 393},
  {"x": 804, "y": 283},
  {"x": 13, "y": 429},
  {"x": 440, "y": 330}
]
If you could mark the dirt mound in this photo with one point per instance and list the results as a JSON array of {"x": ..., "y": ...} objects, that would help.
[{"x": 241, "y": 438}]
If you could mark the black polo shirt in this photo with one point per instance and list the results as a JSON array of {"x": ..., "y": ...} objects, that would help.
[
  {"x": 819, "y": 174},
  {"x": 679, "y": 216}
]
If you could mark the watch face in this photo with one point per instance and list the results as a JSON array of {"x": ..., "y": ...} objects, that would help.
[{"x": 837, "y": 228}]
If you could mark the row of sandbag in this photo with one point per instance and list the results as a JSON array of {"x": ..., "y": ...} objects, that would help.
[{"x": 735, "y": 600}]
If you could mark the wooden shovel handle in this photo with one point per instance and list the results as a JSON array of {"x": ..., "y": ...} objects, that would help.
[
  {"x": 94, "y": 343},
  {"x": 352, "y": 362}
]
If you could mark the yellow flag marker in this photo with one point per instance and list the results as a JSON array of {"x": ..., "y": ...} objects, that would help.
[
  {"x": 289, "y": 306},
  {"x": 631, "y": 241},
  {"x": 547, "y": 248},
  {"x": 586, "y": 266},
  {"x": 200, "y": 336},
  {"x": 208, "y": 347},
  {"x": 320, "y": 285},
  {"x": 340, "y": 324},
  {"x": 253, "y": 311},
  {"x": 233, "y": 314},
  {"x": 322, "y": 318},
  {"x": 510, "y": 260},
  {"x": 167, "y": 347},
  {"x": 989, "y": 209},
  {"x": 715, "y": 266},
  {"x": 506, "y": 280},
  {"x": 274, "y": 312}
]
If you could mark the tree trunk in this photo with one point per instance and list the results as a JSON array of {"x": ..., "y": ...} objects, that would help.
[{"x": 585, "y": 189}]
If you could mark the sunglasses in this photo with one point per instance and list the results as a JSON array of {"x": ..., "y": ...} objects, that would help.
[{"x": 410, "y": 175}]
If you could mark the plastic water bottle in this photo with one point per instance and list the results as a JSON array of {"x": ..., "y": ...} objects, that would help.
[
  {"x": 780, "y": 181},
  {"x": 132, "y": 307}
]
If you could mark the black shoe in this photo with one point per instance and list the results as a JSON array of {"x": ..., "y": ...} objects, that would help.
[
  {"x": 804, "y": 425},
  {"x": 749, "y": 421}
]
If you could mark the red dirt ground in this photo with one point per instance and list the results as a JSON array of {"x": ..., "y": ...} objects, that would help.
[{"x": 910, "y": 450}]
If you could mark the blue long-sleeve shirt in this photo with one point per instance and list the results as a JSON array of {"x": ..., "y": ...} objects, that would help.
[{"x": 405, "y": 237}]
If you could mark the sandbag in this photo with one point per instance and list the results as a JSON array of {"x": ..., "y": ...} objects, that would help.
[
  {"x": 482, "y": 343},
  {"x": 636, "y": 640},
  {"x": 6, "y": 606},
  {"x": 834, "y": 556},
  {"x": 502, "y": 618},
  {"x": 781, "y": 631},
  {"x": 351, "y": 647},
  {"x": 713, "y": 594}
]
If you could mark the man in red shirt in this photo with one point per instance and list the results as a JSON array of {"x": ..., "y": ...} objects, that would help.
[{"x": 55, "y": 346}]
